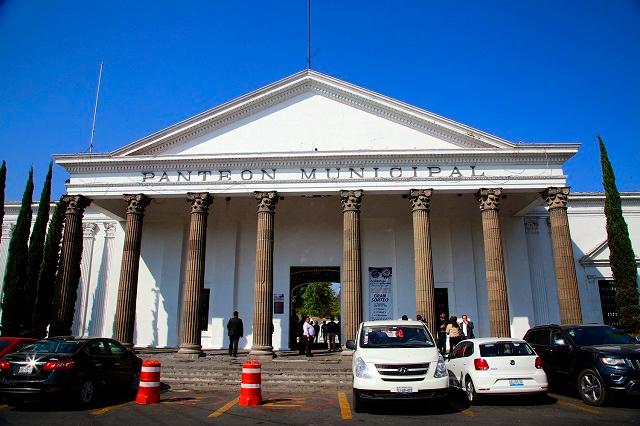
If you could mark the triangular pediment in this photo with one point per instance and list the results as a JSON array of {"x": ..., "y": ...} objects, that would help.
[
  {"x": 599, "y": 255},
  {"x": 310, "y": 112}
]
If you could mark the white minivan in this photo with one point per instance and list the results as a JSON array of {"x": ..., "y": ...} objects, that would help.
[{"x": 396, "y": 359}]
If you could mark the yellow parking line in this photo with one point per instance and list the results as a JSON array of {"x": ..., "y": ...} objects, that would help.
[
  {"x": 345, "y": 409},
  {"x": 468, "y": 413},
  {"x": 107, "y": 409},
  {"x": 579, "y": 407},
  {"x": 226, "y": 407}
]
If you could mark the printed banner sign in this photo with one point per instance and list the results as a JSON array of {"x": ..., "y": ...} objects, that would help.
[{"x": 380, "y": 294}]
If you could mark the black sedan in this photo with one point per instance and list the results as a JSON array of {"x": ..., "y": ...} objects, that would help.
[
  {"x": 70, "y": 367},
  {"x": 601, "y": 360}
]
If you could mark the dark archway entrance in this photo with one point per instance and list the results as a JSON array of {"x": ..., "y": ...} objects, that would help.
[{"x": 299, "y": 278}]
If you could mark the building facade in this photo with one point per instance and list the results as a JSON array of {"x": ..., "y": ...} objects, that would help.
[{"x": 312, "y": 178}]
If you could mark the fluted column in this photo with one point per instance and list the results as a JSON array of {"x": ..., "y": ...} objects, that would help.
[
  {"x": 568, "y": 293},
  {"x": 7, "y": 231},
  {"x": 190, "y": 345},
  {"x": 351, "y": 263},
  {"x": 82, "y": 302},
  {"x": 64, "y": 298},
  {"x": 128, "y": 289},
  {"x": 499, "y": 323},
  {"x": 536, "y": 270},
  {"x": 422, "y": 256},
  {"x": 263, "y": 287}
]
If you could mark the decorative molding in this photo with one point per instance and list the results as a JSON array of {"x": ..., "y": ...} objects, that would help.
[
  {"x": 266, "y": 201},
  {"x": 76, "y": 204},
  {"x": 420, "y": 199},
  {"x": 489, "y": 198},
  {"x": 351, "y": 200},
  {"x": 556, "y": 198},
  {"x": 200, "y": 201},
  {"x": 531, "y": 225}
]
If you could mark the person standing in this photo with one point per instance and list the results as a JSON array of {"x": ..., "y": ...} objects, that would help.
[
  {"x": 302, "y": 343},
  {"x": 316, "y": 329},
  {"x": 467, "y": 327},
  {"x": 454, "y": 333},
  {"x": 442, "y": 333},
  {"x": 308, "y": 333},
  {"x": 235, "y": 332},
  {"x": 332, "y": 332},
  {"x": 323, "y": 331}
]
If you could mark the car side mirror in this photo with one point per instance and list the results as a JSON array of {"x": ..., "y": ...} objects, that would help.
[{"x": 351, "y": 344}]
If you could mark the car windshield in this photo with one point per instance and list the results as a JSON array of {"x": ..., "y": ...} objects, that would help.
[
  {"x": 505, "y": 349},
  {"x": 395, "y": 336},
  {"x": 53, "y": 347},
  {"x": 591, "y": 336}
]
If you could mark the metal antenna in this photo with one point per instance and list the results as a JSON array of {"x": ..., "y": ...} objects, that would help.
[
  {"x": 95, "y": 108},
  {"x": 308, "y": 34}
]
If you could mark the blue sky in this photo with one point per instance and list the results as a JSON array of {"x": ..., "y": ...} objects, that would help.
[{"x": 533, "y": 71}]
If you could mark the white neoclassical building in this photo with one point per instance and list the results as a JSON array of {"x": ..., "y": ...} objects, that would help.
[{"x": 315, "y": 179}]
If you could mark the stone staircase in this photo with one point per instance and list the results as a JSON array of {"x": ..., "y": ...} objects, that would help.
[{"x": 217, "y": 371}]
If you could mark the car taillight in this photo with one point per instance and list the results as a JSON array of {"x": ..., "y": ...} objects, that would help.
[
  {"x": 538, "y": 362},
  {"x": 58, "y": 365},
  {"x": 4, "y": 365},
  {"x": 480, "y": 364}
]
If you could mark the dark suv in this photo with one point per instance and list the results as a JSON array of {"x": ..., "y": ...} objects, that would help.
[{"x": 601, "y": 360}]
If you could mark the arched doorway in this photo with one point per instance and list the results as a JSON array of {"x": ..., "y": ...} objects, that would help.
[{"x": 299, "y": 278}]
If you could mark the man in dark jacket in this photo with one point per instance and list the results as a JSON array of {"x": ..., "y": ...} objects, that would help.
[
  {"x": 467, "y": 327},
  {"x": 235, "y": 331}
]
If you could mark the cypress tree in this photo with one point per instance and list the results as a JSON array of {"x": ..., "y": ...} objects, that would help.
[
  {"x": 36, "y": 249},
  {"x": 3, "y": 179},
  {"x": 15, "y": 275},
  {"x": 47, "y": 274},
  {"x": 621, "y": 257}
]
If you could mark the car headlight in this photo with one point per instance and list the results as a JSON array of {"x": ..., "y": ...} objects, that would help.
[
  {"x": 612, "y": 362},
  {"x": 361, "y": 369},
  {"x": 441, "y": 369}
]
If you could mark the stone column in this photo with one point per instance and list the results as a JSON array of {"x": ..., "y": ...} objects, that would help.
[
  {"x": 568, "y": 294},
  {"x": 351, "y": 263},
  {"x": 536, "y": 271},
  {"x": 82, "y": 301},
  {"x": 499, "y": 322},
  {"x": 100, "y": 299},
  {"x": 263, "y": 287},
  {"x": 124, "y": 323},
  {"x": 423, "y": 259},
  {"x": 7, "y": 231},
  {"x": 190, "y": 345},
  {"x": 64, "y": 298}
]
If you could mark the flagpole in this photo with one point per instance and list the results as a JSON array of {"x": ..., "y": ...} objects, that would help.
[{"x": 95, "y": 108}]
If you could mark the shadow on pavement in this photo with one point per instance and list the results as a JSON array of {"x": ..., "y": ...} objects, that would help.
[{"x": 413, "y": 408}]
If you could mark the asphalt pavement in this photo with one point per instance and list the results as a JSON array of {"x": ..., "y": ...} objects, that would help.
[{"x": 324, "y": 407}]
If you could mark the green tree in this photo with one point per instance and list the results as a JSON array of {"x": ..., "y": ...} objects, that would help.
[
  {"x": 318, "y": 300},
  {"x": 36, "y": 249},
  {"x": 16, "y": 272},
  {"x": 47, "y": 275},
  {"x": 621, "y": 257},
  {"x": 3, "y": 179}
]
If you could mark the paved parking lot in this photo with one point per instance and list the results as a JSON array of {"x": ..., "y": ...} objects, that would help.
[{"x": 320, "y": 408}]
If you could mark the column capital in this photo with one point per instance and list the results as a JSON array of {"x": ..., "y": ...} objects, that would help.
[
  {"x": 556, "y": 197},
  {"x": 136, "y": 203},
  {"x": 7, "y": 230},
  {"x": 266, "y": 201},
  {"x": 200, "y": 201},
  {"x": 351, "y": 200},
  {"x": 89, "y": 230},
  {"x": 531, "y": 225},
  {"x": 489, "y": 198},
  {"x": 76, "y": 204},
  {"x": 420, "y": 199},
  {"x": 109, "y": 229}
]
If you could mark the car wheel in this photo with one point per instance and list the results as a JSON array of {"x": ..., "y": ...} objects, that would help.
[
  {"x": 86, "y": 393},
  {"x": 358, "y": 403},
  {"x": 470, "y": 389},
  {"x": 591, "y": 388}
]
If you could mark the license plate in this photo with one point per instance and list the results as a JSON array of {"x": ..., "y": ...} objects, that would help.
[
  {"x": 516, "y": 382},
  {"x": 404, "y": 389},
  {"x": 26, "y": 369}
]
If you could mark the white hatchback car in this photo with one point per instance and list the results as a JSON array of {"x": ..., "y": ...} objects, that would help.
[
  {"x": 496, "y": 366},
  {"x": 396, "y": 359}
]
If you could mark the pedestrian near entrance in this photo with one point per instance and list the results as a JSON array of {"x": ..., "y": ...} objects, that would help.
[
  {"x": 332, "y": 332},
  {"x": 467, "y": 327},
  {"x": 235, "y": 332},
  {"x": 316, "y": 329},
  {"x": 308, "y": 333},
  {"x": 302, "y": 343},
  {"x": 323, "y": 331},
  {"x": 454, "y": 333},
  {"x": 442, "y": 333}
]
